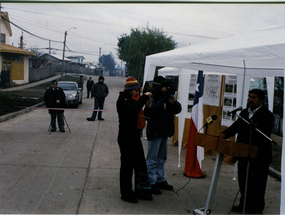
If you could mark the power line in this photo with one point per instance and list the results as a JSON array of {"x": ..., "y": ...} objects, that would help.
[
  {"x": 29, "y": 32},
  {"x": 73, "y": 34},
  {"x": 80, "y": 52}
]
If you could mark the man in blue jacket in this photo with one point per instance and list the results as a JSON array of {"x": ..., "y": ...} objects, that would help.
[{"x": 160, "y": 126}]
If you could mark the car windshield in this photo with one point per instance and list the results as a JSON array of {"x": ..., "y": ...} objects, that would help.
[{"x": 67, "y": 86}]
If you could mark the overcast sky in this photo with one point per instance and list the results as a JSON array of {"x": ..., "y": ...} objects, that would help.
[{"x": 100, "y": 25}]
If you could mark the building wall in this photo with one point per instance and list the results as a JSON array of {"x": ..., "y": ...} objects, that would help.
[
  {"x": 4, "y": 30},
  {"x": 36, "y": 74}
]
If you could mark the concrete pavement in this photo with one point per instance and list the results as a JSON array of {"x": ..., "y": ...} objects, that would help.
[{"x": 78, "y": 172}]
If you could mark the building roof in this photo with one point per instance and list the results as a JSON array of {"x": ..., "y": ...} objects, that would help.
[
  {"x": 5, "y": 48},
  {"x": 6, "y": 23},
  {"x": 59, "y": 57},
  {"x": 75, "y": 57}
]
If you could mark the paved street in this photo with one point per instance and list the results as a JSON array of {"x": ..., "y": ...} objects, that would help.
[{"x": 78, "y": 172}]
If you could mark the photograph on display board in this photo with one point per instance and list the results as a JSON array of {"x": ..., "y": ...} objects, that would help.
[
  {"x": 212, "y": 90},
  {"x": 230, "y": 100},
  {"x": 191, "y": 97},
  {"x": 190, "y": 108}
]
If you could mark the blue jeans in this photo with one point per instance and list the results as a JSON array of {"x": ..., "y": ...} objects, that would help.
[
  {"x": 156, "y": 158},
  {"x": 98, "y": 103}
]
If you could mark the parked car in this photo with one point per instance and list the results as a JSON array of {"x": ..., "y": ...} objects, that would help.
[{"x": 72, "y": 92}]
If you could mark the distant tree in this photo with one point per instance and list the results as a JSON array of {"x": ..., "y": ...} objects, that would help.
[
  {"x": 22, "y": 44},
  {"x": 108, "y": 62},
  {"x": 37, "y": 60},
  {"x": 141, "y": 42}
]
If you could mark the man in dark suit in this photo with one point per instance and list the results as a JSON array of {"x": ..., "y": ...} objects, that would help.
[
  {"x": 262, "y": 119},
  {"x": 89, "y": 85},
  {"x": 55, "y": 98}
]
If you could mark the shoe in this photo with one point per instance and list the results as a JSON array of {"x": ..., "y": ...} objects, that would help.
[
  {"x": 237, "y": 209},
  {"x": 155, "y": 190},
  {"x": 87, "y": 97},
  {"x": 101, "y": 119},
  {"x": 164, "y": 185},
  {"x": 130, "y": 199},
  {"x": 254, "y": 211},
  {"x": 144, "y": 196},
  {"x": 53, "y": 129},
  {"x": 90, "y": 119},
  {"x": 62, "y": 130}
]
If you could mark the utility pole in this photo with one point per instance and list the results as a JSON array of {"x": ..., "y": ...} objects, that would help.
[
  {"x": 99, "y": 57},
  {"x": 49, "y": 48},
  {"x": 99, "y": 61},
  {"x": 64, "y": 42},
  {"x": 65, "y": 33}
]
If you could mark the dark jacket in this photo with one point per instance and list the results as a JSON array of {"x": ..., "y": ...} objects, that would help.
[
  {"x": 50, "y": 97},
  {"x": 160, "y": 118},
  {"x": 99, "y": 90},
  {"x": 128, "y": 110},
  {"x": 263, "y": 120},
  {"x": 80, "y": 83},
  {"x": 89, "y": 84}
]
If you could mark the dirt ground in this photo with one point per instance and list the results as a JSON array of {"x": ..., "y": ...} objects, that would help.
[{"x": 17, "y": 100}]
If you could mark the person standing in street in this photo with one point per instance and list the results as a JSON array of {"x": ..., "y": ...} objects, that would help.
[
  {"x": 80, "y": 82},
  {"x": 99, "y": 92},
  {"x": 131, "y": 122},
  {"x": 160, "y": 126},
  {"x": 262, "y": 119},
  {"x": 55, "y": 98},
  {"x": 89, "y": 85}
]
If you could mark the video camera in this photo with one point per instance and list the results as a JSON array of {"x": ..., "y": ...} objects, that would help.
[{"x": 155, "y": 86}]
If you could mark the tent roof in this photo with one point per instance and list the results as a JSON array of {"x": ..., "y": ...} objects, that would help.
[{"x": 229, "y": 54}]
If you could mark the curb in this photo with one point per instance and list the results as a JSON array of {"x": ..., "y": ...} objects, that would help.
[
  {"x": 20, "y": 112},
  {"x": 276, "y": 174}
]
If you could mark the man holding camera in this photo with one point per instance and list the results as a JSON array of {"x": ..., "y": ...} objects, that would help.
[{"x": 160, "y": 125}]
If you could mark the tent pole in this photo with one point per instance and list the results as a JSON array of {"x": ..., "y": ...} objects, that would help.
[{"x": 244, "y": 73}]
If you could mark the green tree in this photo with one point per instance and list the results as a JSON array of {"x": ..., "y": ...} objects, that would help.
[
  {"x": 141, "y": 42},
  {"x": 108, "y": 62}
]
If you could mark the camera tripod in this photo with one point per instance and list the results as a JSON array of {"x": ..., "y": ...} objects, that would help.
[{"x": 49, "y": 129}]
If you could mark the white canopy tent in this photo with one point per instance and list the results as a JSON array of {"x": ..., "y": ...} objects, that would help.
[{"x": 253, "y": 54}]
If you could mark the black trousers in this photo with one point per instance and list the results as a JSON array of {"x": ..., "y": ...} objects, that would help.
[
  {"x": 132, "y": 162},
  {"x": 257, "y": 180},
  {"x": 88, "y": 92}
]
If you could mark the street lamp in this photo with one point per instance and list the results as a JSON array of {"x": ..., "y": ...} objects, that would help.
[{"x": 65, "y": 33}]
